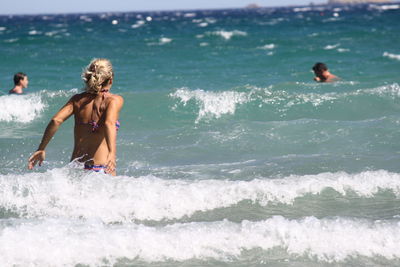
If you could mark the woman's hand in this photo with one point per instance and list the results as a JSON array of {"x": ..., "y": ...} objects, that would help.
[
  {"x": 111, "y": 164},
  {"x": 38, "y": 156}
]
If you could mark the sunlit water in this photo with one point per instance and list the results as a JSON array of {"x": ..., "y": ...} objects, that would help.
[{"x": 228, "y": 153}]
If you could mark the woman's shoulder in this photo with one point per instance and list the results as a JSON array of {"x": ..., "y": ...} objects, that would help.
[
  {"x": 79, "y": 96},
  {"x": 116, "y": 98}
]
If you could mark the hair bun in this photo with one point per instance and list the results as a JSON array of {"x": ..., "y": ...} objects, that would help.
[{"x": 97, "y": 74}]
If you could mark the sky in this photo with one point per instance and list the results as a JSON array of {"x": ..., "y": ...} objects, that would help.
[{"x": 78, "y": 6}]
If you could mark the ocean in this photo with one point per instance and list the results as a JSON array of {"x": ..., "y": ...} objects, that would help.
[{"x": 229, "y": 154}]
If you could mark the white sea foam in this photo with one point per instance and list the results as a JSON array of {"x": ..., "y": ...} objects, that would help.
[
  {"x": 67, "y": 243},
  {"x": 211, "y": 104},
  {"x": 391, "y": 90},
  {"x": 58, "y": 93},
  {"x": 85, "y": 18},
  {"x": 287, "y": 100},
  {"x": 302, "y": 9},
  {"x": 13, "y": 40},
  {"x": 389, "y": 7},
  {"x": 189, "y": 15},
  {"x": 21, "y": 108},
  {"x": 385, "y": 7},
  {"x": 273, "y": 97},
  {"x": 138, "y": 24},
  {"x": 165, "y": 40},
  {"x": 330, "y": 47},
  {"x": 267, "y": 46},
  {"x": 200, "y": 22},
  {"x": 392, "y": 56},
  {"x": 26, "y": 108},
  {"x": 342, "y": 50},
  {"x": 123, "y": 199},
  {"x": 51, "y": 33},
  {"x": 211, "y": 20},
  {"x": 227, "y": 35},
  {"x": 34, "y": 32}
]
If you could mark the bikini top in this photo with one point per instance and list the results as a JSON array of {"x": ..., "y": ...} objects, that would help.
[{"x": 95, "y": 125}]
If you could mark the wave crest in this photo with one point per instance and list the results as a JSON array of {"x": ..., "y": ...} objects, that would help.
[
  {"x": 89, "y": 243},
  {"x": 279, "y": 102},
  {"x": 227, "y": 35},
  {"x": 124, "y": 199},
  {"x": 391, "y": 56},
  {"x": 212, "y": 104},
  {"x": 21, "y": 108}
]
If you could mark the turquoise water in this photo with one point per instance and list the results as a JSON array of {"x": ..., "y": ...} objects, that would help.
[{"x": 228, "y": 155}]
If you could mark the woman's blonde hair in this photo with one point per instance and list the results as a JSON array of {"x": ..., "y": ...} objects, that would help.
[{"x": 97, "y": 74}]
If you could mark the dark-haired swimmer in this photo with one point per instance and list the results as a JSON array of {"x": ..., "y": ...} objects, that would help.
[
  {"x": 96, "y": 113},
  {"x": 322, "y": 73},
  {"x": 20, "y": 83}
]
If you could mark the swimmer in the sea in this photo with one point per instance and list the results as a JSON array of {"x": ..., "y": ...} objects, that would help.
[
  {"x": 96, "y": 113},
  {"x": 322, "y": 74},
  {"x": 20, "y": 83}
]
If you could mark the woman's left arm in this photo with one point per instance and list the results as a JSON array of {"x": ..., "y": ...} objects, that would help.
[
  {"x": 112, "y": 114},
  {"x": 62, "y": 115}
]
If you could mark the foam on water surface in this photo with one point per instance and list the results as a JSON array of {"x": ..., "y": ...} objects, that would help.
[
  {"x": 222, "y": 119},
  {"x": 42, "y": 242},
  {"x": 213, "y": 105},
  {"x": 227, "y": 35},
  {"x": 21, "y": 108},
  {"x": 391, "y": 56},
  {"x": 123, "y": 199}
]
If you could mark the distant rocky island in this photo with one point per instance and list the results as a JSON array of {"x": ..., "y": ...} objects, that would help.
[{"x": 335, "y": 2}]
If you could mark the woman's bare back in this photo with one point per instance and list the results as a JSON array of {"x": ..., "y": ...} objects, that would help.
[{"x": 90, "y": 112}]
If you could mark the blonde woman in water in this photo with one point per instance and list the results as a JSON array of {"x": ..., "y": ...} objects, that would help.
[{"x": 96, "y": 114}]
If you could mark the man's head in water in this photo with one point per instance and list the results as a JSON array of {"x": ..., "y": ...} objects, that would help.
[
  {"x": 20, "y": 83},
  {"x": 322, "y": 73},
  {"x": 319, "y": 68},
  {"x": 21, "y": 79}
]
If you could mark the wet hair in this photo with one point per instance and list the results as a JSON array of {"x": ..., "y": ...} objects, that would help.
[
  {"x": 18, "y": 77},
  {"x": 319, "y": 67},
  {"x": 97, "y": 75}
]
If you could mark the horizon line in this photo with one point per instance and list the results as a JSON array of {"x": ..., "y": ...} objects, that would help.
[
  {"x": 181, "y": 10},
  {"x": 165, "y": 10}
]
